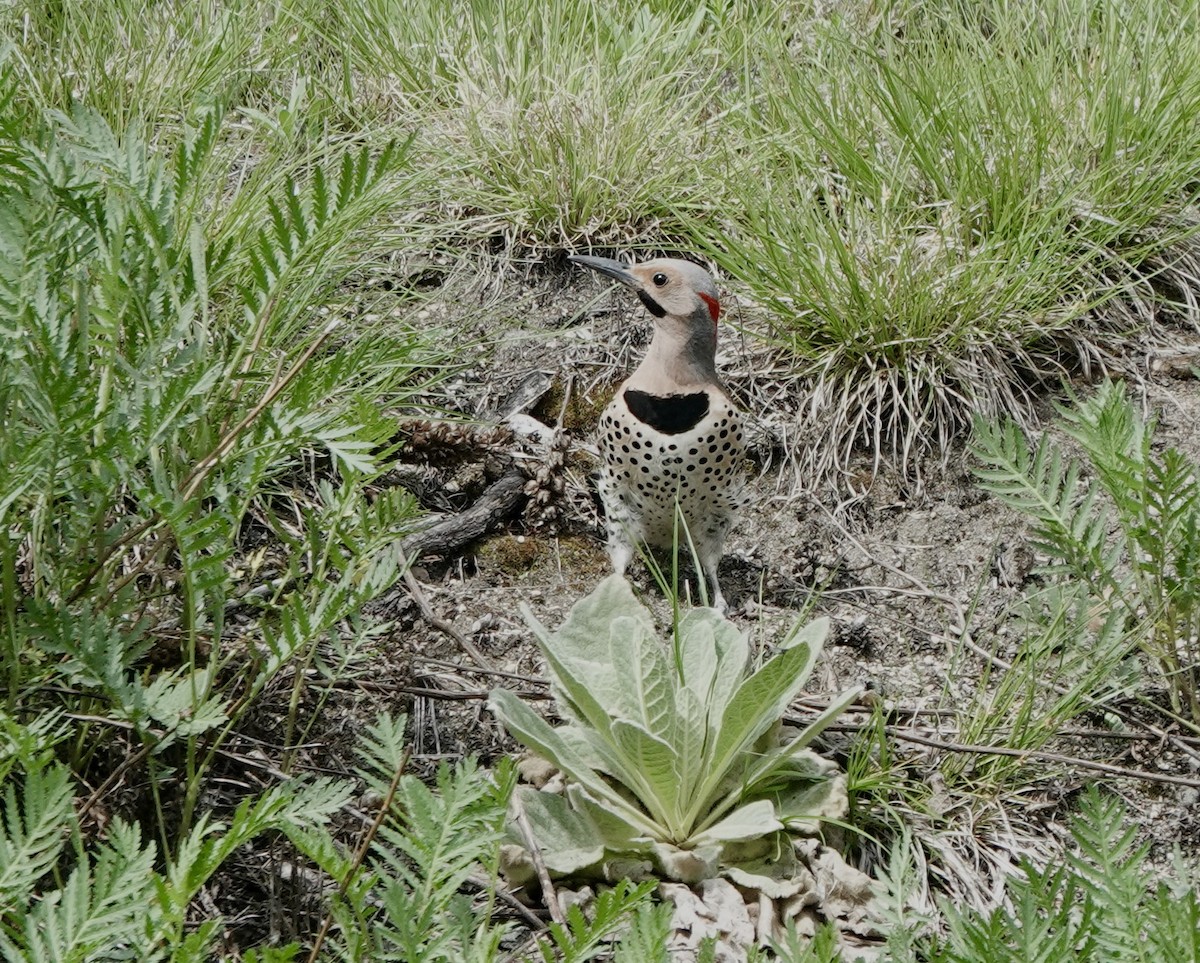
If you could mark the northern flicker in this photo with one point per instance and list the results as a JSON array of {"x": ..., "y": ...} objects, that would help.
[{"x": 671, "y": 437}]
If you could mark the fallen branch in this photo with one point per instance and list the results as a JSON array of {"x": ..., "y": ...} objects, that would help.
[
  {"x": 501, "y": 501},
  {"x": 494, "y": 507},
  {"x": 1043, "y": 756},
  {"x": 532, "y": 920}
]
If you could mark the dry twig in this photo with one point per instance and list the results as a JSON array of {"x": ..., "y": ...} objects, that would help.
[
  {"x": 1042, "y": 756},
  {"x": 418, "y": 596},
  {"x": 549, "y": 897},
  {"x": 909, "y": 735}
]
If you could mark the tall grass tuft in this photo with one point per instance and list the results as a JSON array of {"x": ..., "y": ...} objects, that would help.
[
  {"x": 941, "y": 210},
  {"x": 556, "y": 123}
]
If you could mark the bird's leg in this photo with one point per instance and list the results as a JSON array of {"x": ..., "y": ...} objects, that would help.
[
  {"x": 710, "y": 560},
  {"x": 718, "y": 599},
  {"x": 620, "y": 552}
]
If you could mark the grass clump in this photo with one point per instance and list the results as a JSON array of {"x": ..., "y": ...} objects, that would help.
[
  {"x": 947, "y": 206},
  {"x": 557, "y": 123},
  {"x": 1104, "y": 631}
]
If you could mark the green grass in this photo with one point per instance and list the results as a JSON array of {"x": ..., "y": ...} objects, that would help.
[
  {"x": 556, "y": 123},
  {"x": 958, "y": 201}
]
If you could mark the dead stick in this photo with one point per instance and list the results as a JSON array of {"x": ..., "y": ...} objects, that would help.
[
  {"x": 1043, "y": 756},
  {"x": 418, "y": 596},
  {"x": 499, "y": 503},
  {"x": 548, "y": 895},
  {"x": 226, "y": 442},
  {"x": 515, "y": 676},
  {"x": 510, "y": 899},
  {"x": 464, "y": 695},
  {"x": 562, "y": 411},
  {"x": 906, "y": 735},
  {"x": 128, "y": 763}
]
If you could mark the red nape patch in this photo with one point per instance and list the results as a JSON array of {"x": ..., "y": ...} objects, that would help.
[{"x": 714, "y": 306}]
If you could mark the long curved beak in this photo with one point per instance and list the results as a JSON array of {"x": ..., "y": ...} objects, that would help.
[{"x": 606, "y": 265}]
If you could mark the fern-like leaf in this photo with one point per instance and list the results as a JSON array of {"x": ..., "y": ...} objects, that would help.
[
  {"x": 1094, "y": 906},
  {"x": 1042, "y": 926},
  {"x": 1071, "y": 523},
  {"x": 101, "y": 909},
  {"x": 645, "y": 941},
  {"x": 1173, "y": 935},
  {"x": 34, "y": 827},
  {"x": 583, "y": 938},
  {"x": 406, "y": 902},
  {"x": 1109, "y": 869}
]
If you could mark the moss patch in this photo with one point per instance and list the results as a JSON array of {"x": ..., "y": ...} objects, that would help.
[
  {"x": 583, "y": 408},
  {"x": 519, "y": 556}
]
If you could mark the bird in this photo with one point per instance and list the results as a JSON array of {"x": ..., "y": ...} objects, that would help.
[{"x": 671, "y": 439}]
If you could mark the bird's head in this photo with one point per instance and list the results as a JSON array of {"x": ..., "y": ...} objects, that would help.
[{"x": 668, "y": 287}]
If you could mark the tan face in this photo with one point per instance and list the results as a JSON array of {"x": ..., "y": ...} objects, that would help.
[
  {"x": 666, "y": 286},
  {"x": 683, "y": 289}
]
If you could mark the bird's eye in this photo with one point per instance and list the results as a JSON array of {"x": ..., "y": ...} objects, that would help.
[{"x": 660, "y": 279}]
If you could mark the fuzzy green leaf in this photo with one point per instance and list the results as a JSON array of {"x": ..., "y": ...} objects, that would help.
[
  {"x": 761, "y": 699},
  {"x": 618, "y": 834},
  {"x": 732, "y": 653},
  {"x": 698, "y": 656},
  {"x": 751, "y": 821},
  {"x": 676, "y": 740},
  {"x": 568, "y": 838},
  {"x": 688, "y": 865},
  {"x": 787, "y": 754},
  {"x": 533, "y": 731},
  {"x": 584, "y": 679},
  {"x": 644, "y": 680},
  {"x": 650, "y": 769},
  {"x": 691, "y": 741}
]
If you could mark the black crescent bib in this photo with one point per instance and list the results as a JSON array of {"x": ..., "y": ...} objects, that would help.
[{"x": 669, "y": 414}]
